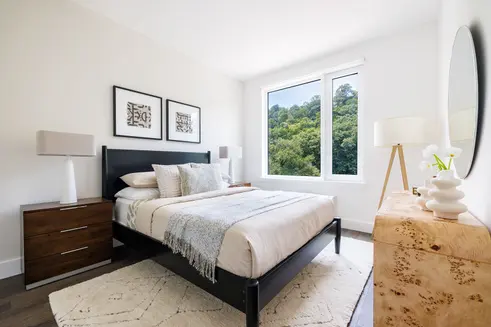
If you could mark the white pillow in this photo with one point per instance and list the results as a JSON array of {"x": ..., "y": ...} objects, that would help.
[
  {"x": 140, "y": 193},
  {"x": 200, "y": 178},
  {"x": 168, "y": 180},
  {"x": 225, "y": 177},
  {"x": 141, "y": 179}
]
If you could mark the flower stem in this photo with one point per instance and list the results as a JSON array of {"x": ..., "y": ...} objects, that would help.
[{"x": 441, "y": 164}]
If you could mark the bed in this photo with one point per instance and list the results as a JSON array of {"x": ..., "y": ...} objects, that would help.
[{"x": 258, "y": 257}]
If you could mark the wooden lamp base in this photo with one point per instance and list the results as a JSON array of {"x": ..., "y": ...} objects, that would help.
[{"x": 395, "y": 148}]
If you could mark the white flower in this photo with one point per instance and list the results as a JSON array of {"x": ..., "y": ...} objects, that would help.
[
  {"x": 453, "y": 152},
  {"x": 429, "y": 151},
  {"x": 425, "y": 165}
]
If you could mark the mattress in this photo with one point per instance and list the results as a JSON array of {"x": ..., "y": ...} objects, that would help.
[{"x": 251, "y": 247}]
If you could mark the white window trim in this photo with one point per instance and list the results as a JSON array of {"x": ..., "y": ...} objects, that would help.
[{"x": 326, "y": 124}]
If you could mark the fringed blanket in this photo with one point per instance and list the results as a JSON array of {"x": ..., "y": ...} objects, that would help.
[{"x": 197, "y": 232}]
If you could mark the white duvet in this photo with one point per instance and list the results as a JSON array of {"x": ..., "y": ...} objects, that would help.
[{"x": 253, "y": 246}]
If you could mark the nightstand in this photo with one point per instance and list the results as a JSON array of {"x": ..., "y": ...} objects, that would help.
[
  {"x": 240, "y": 184},
  {"x": 64, "y": 240}
]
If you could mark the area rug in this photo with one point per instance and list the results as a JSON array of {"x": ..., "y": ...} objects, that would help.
[{"x": 145, "y": 294}]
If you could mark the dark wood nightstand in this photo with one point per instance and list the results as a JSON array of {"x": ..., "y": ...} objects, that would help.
[
  {"x": 240, "y": 184},
  {"x": 64, "y": 240}
]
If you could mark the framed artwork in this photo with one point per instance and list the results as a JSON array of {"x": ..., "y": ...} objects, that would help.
[
  {"x": 137, "y": 114},
  {"x": 183, "y": 122}
]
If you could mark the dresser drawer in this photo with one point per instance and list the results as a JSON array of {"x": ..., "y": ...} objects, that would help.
[
  {"x": 58, "y": 242},
  {"x": 42, "y": 222},
  {"x": 47, "y": 267}
]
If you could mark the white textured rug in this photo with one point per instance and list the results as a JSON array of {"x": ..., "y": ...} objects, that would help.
[{"x": 147, "y": 295}]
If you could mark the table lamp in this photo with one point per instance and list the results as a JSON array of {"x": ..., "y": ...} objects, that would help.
[
  {"x": 69, "y": 145},
  {"x": 396, "y": 132},
  {"x": 230, "y": 152}
]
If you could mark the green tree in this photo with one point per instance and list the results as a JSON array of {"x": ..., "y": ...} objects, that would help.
[
  {"x": 345, "y": 131},
  {"x": 295, "y": 139}
]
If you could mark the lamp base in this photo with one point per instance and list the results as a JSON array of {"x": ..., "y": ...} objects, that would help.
[
  {"x": 68, "y": 189},
  {"x": 232, "y": 171}
]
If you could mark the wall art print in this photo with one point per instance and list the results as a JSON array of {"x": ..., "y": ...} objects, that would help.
[
  {"x": 183, "y": 122},
  {"x": 137, "y": 114}
]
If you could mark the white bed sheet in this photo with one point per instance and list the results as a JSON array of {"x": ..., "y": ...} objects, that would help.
[
  {"x": 121, "y": 211},
  {"x": 251, "y": 247}
]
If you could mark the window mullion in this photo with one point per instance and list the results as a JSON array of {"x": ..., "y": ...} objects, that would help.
[{"x": 327, "y": 123}]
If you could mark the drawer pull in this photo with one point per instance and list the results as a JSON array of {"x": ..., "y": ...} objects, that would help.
[
  {"x": 72, "y": 208},
  {"x": 73, "y": 229},
  {"x": 76, "y": 250}
]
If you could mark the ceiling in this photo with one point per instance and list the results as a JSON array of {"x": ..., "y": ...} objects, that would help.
[{"x": 246, "y": 38}]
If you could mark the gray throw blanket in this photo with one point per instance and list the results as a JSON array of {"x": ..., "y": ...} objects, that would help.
[{"x": 197, "y": 232}]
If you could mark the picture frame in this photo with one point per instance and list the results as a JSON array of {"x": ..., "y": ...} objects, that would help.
[
  {"x": 183, "y": 122},
  {"x": 137, "y": 114}
]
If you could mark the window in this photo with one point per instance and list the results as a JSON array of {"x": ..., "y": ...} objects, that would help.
[
  {"x": 312, "y": 128},
  {"x": 344, "y": 124},
  {"x": 294, "y": 134}
]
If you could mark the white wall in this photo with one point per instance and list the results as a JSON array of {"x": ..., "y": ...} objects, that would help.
[
  {"x": 58, "y": 63},
  {"x": 477, "y": 15},
  {"x": 399, "y": 79}
]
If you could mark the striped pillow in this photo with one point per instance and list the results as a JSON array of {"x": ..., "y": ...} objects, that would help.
[{"x": 168, "y": 180}]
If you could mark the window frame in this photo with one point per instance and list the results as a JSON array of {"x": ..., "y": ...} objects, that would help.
[
  {"x": 328, "y": 122},
  {"x": 325, "y": 77}
]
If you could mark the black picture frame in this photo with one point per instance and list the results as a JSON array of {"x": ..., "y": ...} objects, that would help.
[
  {"x": 168, "y": 137},
  {"x": 115, "y": 132}
]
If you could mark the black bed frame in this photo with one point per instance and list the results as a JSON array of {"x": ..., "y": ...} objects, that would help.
[{"x": 245, "y": 294}]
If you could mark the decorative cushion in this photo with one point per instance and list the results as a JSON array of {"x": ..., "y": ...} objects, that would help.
[
  {"x": 225, "y": 177},
  {"x": 201, "y": 178},
  {"x": 142, "y": 179},
  {"x": 168, "y": 180},
  {"x": 140, "y": 193}
]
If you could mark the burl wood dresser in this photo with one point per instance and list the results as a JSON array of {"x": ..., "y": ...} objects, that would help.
[
  {"x": 430, "y": 272},
  {"x": 63, "y": 240}
]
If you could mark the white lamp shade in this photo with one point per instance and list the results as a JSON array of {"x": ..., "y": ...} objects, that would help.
[
  {"x": 402, "y": 130},
  {"x": 230, "y": 152},
  {"x": 50, "y": 143}
]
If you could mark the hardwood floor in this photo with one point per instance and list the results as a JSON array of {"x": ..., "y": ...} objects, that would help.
[{"x": 20, "y": 308}]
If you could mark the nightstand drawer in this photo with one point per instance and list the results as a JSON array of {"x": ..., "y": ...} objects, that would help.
[
  {"x": 58, "y": 242},
  {"x": 55, "y": 220},
  {"x": 47, "y": 267}
]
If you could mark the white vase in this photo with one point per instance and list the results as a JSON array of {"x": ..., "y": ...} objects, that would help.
[
  {"x": 425, "y": 197},
  {"x": 445, "y": 203}
]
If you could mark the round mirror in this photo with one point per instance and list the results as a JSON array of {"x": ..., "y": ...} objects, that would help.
[{"x": 463, "y": 100}]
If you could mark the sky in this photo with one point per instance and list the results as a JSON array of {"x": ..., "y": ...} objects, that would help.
[{"x": 303, "y": 93}]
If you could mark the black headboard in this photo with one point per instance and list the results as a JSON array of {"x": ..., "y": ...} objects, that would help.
[{"x": 118, "y": 162}]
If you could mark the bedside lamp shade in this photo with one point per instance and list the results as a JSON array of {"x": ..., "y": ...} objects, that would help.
[
  {"x": 230, "y": 152},
  {"x": 402, "y": 130},
  {"x": 50, "y": 143}
]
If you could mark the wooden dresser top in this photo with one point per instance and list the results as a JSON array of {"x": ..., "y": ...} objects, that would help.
[
  {"x": 56, "y": 205},
  {"x": 401, "y": 222}
]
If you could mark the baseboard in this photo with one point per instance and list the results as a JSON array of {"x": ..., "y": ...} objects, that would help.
[
  {"x": 357, "y": 225},
  {"x": 9, "y": 268}
]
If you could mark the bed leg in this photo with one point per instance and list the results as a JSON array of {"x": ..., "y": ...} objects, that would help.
[
  {"x": 337, "y": 240},
  {"x": 252, "y": 303}
]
